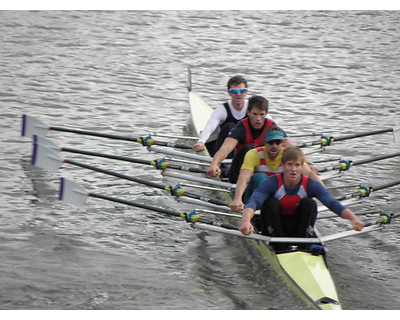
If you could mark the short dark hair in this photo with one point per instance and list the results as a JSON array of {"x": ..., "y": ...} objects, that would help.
[
  {"x": 236, "y": 80},
  {"x": 258, "y": 102}
]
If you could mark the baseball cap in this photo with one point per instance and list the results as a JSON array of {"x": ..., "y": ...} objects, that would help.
[{"x": 273, "y": 135}]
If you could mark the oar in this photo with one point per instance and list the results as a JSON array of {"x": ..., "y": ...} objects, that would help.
[
  {"x": 73, "y": 193},
  {"x": 32, "y": 126},
  {"x": 356, "y": 213},
  {"x": 326, "y": 141},
  {"x": 46, "y": 158},
  {"x": 159, "y": 164},
  {"x": 172, "y": 136},
  {"x": 346, "y": 165},
  {"x": 366, "y": 191},
  {"x": 384, "y": 219}
]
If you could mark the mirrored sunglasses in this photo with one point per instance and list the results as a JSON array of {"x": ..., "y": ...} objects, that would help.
[{"x": 235, "y": 91}]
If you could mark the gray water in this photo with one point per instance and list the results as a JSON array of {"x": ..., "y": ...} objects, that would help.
[{"x": 333, "y": 72}]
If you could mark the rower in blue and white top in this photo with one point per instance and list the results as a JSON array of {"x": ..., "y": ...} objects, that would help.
[
  {"x": 285, "y": 200},
  {"x": 226, "y": 115}
]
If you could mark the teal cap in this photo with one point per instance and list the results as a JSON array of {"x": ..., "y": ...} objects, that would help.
[{"x": 273, "y": 135}]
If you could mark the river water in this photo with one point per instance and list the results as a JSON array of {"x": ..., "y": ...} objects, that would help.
[{"x": 125, "y": 72}]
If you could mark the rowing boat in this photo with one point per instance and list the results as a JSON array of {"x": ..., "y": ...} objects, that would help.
[{"x": 305, "y": 271}]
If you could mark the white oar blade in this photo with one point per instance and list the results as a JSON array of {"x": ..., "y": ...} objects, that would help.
[
  {"x": 32, "y": 126},
  {"x": 45, "y": 158},
  {"x": 45, "y": 142},
  {"x": 73, "y": 193},
  {"x": 396, "y": 132}
]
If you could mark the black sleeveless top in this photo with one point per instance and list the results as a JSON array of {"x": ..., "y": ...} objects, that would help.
[{"x": 230, "y": 117}]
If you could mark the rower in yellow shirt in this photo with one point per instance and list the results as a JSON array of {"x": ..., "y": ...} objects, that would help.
[{"x": 258, "y": 164}]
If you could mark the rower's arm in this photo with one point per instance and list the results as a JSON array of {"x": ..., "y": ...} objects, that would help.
[
  {"x": 227, "y": 147},
  {"x": 241, "y": 184},
  {"x": 247, "y": 228},
  {"x": 357, "y": 224}
]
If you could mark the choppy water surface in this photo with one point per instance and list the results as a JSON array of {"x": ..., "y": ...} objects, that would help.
[{"x": 335, "y": 72}]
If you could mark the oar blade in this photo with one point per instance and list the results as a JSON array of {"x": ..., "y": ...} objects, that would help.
[
  {"x": 396, "y": 133},
  {"x": 45, "y": 142},
  {"x": 45, "y": 158},
  {"x": 73, "y": 193},
  {"x": 32, "y": 126}
]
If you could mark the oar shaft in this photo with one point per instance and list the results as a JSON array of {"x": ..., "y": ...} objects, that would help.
[
  {"x": 348, "y": 164},
  {"x": 165, "y": 211},
  {"x": 326, "y": 141},
  {"x": 108, "y": 156},
  {"x": 376, "y": 158},
  {"x": 145, "y": 182},
  {"x": 363, "y": 134},
  {"x": 136, "y": 204},
  {"x": 386, "y": 185},
  {"x": 117, "y": 137},
  {"x": 358, "y": 194},
  {"x": 133, "y": 160},
  {"x": 96, "y": 134},
  {"x": 115, "y": 174}
]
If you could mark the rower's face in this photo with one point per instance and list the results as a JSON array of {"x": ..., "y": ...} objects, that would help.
[
  {"x": 292, "y": 169},
  {"x": 238, "y": 95},
  {"x": 273, "y": 148},
  {"x": 257, "y": 117}
]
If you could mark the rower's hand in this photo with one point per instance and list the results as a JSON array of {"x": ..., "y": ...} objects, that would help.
[
  {"x": 357, "y": 224},
  {"x": 246, "y": 228},
  {"x": 213, "y": 171},
  {"x": 199, "y": 146},
  {"x": 237, "y": 206}
]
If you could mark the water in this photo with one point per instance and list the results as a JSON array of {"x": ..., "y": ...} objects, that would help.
[{"x": 125, "y": 73}]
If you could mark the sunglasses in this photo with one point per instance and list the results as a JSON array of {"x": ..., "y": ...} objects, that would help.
[
  {"x": 277, "y": 142},
  {"x": 235, "y": 91}
]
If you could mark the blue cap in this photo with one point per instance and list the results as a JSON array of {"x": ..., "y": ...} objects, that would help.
[{"x": 273, "y": 135}]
